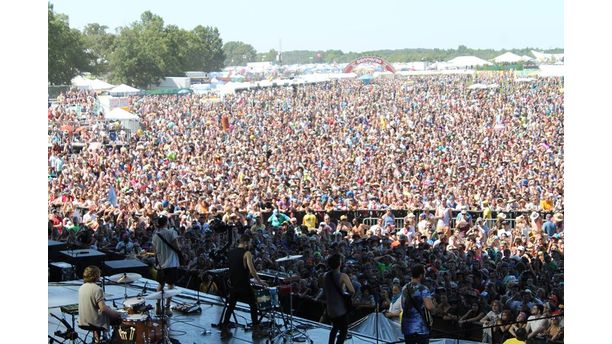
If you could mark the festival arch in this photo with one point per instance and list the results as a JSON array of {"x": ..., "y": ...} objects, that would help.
[{"x": 369, "y": 59}]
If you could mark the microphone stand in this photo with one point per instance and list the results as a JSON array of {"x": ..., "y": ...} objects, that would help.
[{"x": 377, "y": 299}]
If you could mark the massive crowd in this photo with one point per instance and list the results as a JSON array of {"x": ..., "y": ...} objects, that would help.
[{"x": 428, "y": 145}]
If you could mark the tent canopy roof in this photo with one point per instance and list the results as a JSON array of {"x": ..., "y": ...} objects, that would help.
[
  {"x": 462, "y": 61},
  {"x": 123, "y": 88},
  {"x": 120, "y": 114},
  {"x": 508, "y": 57}
]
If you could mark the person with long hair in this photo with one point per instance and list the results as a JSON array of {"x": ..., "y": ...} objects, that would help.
[{"x": 335, "y": 282}]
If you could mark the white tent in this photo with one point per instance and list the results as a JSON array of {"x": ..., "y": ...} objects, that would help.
[
  {"x": 128, "y": 120},
  {"x": 123, "y": 90},
  {"x": 80, "y": 82},
  {"x": 526, "y": 58},
  {"x": 508, "y": 57},
  {"x": 467, "y": 61},
  {"x": 100, "y": 85},
  {"x": 89, "y": 84}
]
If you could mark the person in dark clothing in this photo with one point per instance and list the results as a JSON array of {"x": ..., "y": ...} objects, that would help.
[
  {"x": 336, "y": 281},
  {"x": 240, "y": 267}
]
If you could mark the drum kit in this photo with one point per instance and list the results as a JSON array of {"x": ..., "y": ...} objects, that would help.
[
  {"x": 268, "y": 299},
  {"x": 137, "y": 326}
]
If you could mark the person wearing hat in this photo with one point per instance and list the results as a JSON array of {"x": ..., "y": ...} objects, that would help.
[
  {"x": 463, "y": 215},
  {"x": 277, "y": 218}
]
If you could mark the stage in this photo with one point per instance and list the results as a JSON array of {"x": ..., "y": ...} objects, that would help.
[{"x": 189, "y": 328}]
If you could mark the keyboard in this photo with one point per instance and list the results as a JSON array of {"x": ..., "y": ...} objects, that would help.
[{"x": 70, "y": 309}]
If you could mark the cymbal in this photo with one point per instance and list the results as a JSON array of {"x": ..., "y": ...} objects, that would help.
[
  {"x": 158, "y": 295},
  {"x": 288, "y": 258},
  {"x": 127, "y": 277}
]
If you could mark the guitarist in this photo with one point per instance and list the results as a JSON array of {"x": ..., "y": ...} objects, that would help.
[
  {"x": 337, "y": 309},
  {"x": 166, "y": 257},
  {"x": 416, "y": 302}
]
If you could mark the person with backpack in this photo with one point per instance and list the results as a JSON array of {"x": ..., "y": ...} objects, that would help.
[{"x": 416, "y": 304}]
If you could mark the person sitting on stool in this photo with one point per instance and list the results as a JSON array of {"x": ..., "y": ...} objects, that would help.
[
  {"x": 93, "y": 312},
  {"x": 240, "y": 267}
]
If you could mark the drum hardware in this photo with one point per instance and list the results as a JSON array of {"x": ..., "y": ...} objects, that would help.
[
  {"x": 125, "y": 278},
  {"x": 291, "y": 330},
  {"x": 139, "y": 329}
]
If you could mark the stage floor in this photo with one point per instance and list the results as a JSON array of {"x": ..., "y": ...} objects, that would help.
[{"x": 191, "y": 328}]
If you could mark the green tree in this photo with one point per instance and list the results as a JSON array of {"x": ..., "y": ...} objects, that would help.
[
  {"x": 238, "y": 53},
  {"x": 271, "y": 55},
  {"x": 141, "y": 54},
  {"x": 99, "y": 44},
  {"x": 206, "y": 49},
  {"x": 177, "y": 41},
  {"x": 66, "y": 55}
]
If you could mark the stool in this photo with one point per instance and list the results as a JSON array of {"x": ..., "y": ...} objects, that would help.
[{"x": 97, "y": 333}]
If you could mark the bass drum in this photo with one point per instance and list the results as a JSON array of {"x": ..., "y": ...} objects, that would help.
[{"x": 138, "y": 329}]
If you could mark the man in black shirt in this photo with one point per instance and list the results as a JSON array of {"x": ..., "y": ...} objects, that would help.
[{"x": 240, "y": 267}]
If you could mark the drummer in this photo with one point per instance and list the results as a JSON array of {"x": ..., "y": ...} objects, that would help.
[{"x": 92, "y": 309}]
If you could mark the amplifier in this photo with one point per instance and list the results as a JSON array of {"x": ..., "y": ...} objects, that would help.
[{"x": 61, "y": 271}]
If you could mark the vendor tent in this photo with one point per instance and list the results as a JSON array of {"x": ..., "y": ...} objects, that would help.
[
  {"x": 508, "y": 57},
  {"x": 127, "y": 119},
  {"x": 366, "y": 79},
  {"x": 123, "y": 90},
  {"x": 80, "y": 82},
  {"x": 90, "y": 84},
  {"x": 468, "y": 61}
]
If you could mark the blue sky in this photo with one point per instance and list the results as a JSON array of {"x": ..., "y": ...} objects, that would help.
[{"x": 346, "y": 25}]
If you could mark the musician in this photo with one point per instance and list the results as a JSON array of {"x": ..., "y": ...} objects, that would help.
[
  {"x": 240, "y": 267},
  {"x": 92, "y": 309},
  {"x": 167, "y": 259},
  {"x": 415, "y": 298},
  {"x": 335, "y": 281}
]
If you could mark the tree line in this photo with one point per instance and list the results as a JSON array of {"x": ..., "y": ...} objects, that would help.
[{"x": 147, "y": 50}]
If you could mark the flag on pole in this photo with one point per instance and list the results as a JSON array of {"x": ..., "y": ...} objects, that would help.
[{"x": 112, "y": 196}]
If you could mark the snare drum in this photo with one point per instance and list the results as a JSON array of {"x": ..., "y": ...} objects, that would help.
[
  {"x": 138, "y": 329},
  {"x": 263, "y": 298},
  {"x": 267, "y": 298},
  {"x": 134, "y": 305}
]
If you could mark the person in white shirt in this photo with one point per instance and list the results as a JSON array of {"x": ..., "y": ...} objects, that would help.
[
  {"x": 395, "y": 308},
  {"x": 536, "y": 326}
]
